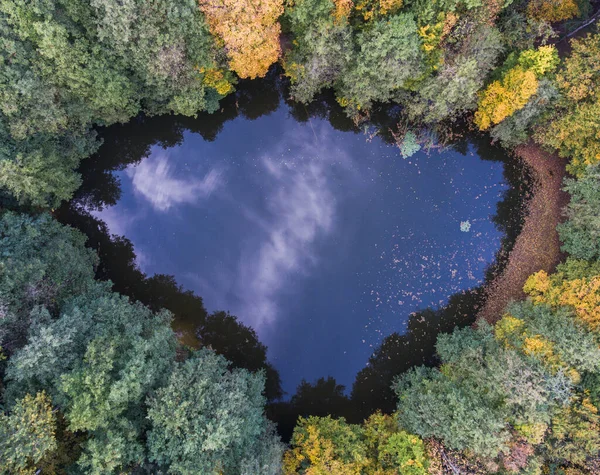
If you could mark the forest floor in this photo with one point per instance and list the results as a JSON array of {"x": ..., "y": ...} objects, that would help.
[{"x": 537, "y": 247}]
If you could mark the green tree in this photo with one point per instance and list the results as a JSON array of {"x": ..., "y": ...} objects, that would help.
[
  {"x": 387, "y": 59},
  {"x": 321, "y": 50},
  {"x": 42, "y": 263},
  {"x": 580, "y": 234},
  {"x": 554, "y": 337},
  {"x": 480, "y": 391},
  {"x": 209, "y": 419},
  {"x": 452, "y": 89},
  {"x": 68, "y": 65},
  {"x": 27, "y": 434},
  {"x": 431, "y": 404},
  {"x": 98, "y": 360},
  {"x": 574, "y": 435}
]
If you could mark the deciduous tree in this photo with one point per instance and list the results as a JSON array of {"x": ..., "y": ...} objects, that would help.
[
  {"x": 209, "y": 419},
  {"x": 552, "y": 10},
  {"x": 249, "y": 31},
  {"x": 27, "y": 434},
  {"x": 574, "y": 126},
  {"x": 519, "y": 83}
]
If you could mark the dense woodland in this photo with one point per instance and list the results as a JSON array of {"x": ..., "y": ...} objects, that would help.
[{"x": 94, "y": 379}]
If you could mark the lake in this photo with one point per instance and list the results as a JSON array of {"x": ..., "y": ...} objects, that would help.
[{"x": 316, "y": 233}]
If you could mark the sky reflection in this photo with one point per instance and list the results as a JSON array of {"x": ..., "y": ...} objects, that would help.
[{"x": 323, "y": 241}]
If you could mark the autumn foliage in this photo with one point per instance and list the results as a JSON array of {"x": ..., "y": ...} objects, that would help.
[
  {"x": 583, "y": 294},
  {"x": 342, "y": 9},
  {"x": 372, "y": 9},
  {"x": 249, "y": 31},
  {"x": 575, "y": 128},
  {"x": 503, "y": 98},
  {"x": 552, "y": 10},
  {"x": 323, "y": 445}
]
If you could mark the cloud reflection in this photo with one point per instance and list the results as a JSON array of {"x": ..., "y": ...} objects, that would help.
[
  {"x": 301, "y": 208},
  {"x": 153, "y": 179}
]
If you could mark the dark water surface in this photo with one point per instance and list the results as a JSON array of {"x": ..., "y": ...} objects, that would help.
[{"x": 324, "y": 241}]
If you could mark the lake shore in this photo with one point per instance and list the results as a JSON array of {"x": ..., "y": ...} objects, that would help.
[{"x": 537, "y": 247}]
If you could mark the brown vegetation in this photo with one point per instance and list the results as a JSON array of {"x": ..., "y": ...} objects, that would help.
[{"x": 537, "y": 247}]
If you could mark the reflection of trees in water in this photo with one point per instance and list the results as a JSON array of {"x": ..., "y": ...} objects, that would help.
[
  {"x": 130, "y": 143},
  {"x": 220, "y": 331}
]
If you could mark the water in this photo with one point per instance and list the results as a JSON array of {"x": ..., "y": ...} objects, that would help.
[{"x": 323, "y": 240}]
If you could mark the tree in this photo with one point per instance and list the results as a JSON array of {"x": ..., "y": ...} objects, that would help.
[
  {"x": 391, "y": 450},
  {"x": 68, "y": 65},
  {"x": 516, "y": 129},
  {"x": 576, "y": 284},
  {"x": 574, "y": 127},
  {"x": 98, "y": 360},
  {"x": 502, "y": 99},
  {"x": 209, "y": 419},
  {"x": 574, "y": 434},
  {"x": 518, "y": 84},
  {"x": 580, "y": 234},
  {"x": 321, "y": 50},
  {"x": 43, "y": 263},
  {"x": 99, "y": 356},
  {"x": 453, "y": 88},
  {"x": 431, "y": 404},
  {"x": 323, "y": 445},
  {"x": 554, "y": 337},
  {"x": 388, "y": 58},
  {"x": 249, "y": 30},
  {"x": 373, "y": 9},
  {"x": 27, "y": 434},
  {"x": 482, "y": 389},
  {"x": 40, "y": 170},
  {"x": 524, "y": 32},
  {"x": 552, "y": 10}
]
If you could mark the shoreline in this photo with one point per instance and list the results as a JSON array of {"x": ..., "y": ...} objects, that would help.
[{"x": 537, "y": 246}]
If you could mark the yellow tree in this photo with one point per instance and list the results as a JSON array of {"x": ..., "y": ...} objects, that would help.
[
  {"x": 501, "y": 99},
  {"x": 518, "y": 84},
  {"x": 583, "y": 294},
  {"x": 373, "y": 9},
  {"x": 552, "y": 10},
  {"x": 575, "y": 128},
  {"x": 342, "y": 9},
  {"x": 249, "y": 30}
]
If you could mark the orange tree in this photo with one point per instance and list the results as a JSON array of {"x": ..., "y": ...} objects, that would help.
[{"x": 249, "y": 31}]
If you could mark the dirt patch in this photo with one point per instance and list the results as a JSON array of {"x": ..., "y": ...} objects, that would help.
[{"x": 537, "y": 247}]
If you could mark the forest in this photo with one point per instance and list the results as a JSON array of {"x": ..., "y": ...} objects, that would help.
[{"x": 93, "y": 379}]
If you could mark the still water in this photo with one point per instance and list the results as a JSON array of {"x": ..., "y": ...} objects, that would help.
[{"x": 324, "y": 241}]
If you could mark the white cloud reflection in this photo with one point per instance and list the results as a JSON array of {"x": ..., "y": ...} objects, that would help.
[
  {"x": 300, "y": 209},
  {"x": 153, "y": 179}
]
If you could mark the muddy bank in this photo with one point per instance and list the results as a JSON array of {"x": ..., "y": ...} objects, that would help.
[{"x": 537, "y": 247}]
